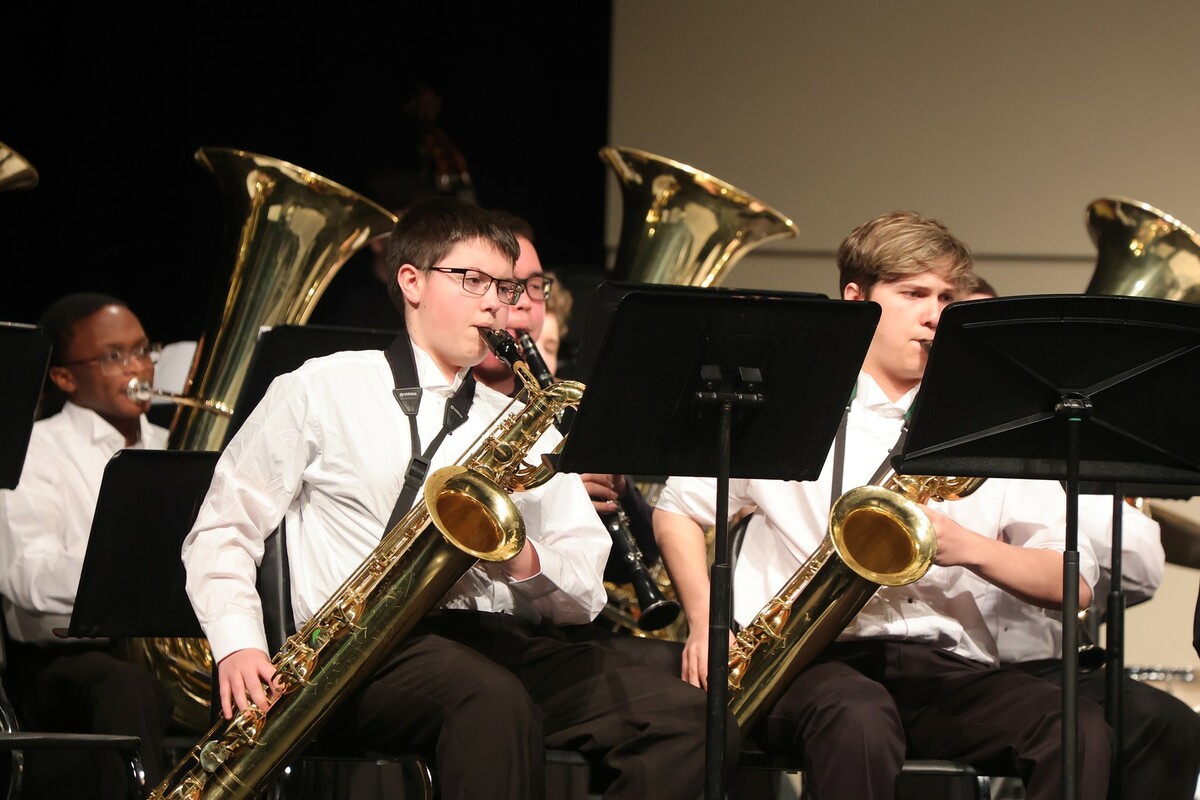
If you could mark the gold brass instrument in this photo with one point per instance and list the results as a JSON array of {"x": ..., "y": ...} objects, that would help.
[
  {"x": 15, "y": 171},
  {"x": 878, "y": 536},
  {"x": 1142, "y": 252},
  {"x": 466, "y": 515},
  {"x": 682, "y": 227},
  {"x": 288, "y": 232},
  {"x": 140, "y": 391}
]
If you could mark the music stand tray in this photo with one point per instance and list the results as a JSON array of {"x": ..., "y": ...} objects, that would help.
[
  {"x": 26, "y": 351},
  {"x": 642, "y": 358},
  {"x": 132, "y": 581},
  {"x": 1000, "y": 367}
]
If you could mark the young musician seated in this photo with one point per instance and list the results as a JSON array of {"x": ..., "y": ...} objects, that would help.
[{"x": 486, "y": 681}]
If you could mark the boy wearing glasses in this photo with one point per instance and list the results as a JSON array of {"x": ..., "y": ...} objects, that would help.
[
  {"x": 98, "y": 346},
  {"x": 486, "y": 681}
]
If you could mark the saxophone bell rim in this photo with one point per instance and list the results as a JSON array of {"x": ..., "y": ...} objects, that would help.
[{"x": 900, "y": 511}]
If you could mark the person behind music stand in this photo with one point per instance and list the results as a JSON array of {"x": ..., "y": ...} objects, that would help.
[
  {"x": 914, "y": 675},
  {"x": 1161, "y": 742},
  {"x": 45, "y": 522},
  {"x": 608, "y": 492}
]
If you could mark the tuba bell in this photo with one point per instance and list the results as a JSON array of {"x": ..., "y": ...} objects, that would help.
[
  {"x": 1142, "y": 252},
  {"x": 682, "y": 227},
  {"x": 288, "y": 233}
]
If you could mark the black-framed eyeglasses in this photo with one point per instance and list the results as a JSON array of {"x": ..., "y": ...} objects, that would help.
[
  {"x": 116, "y": 362},
  {"x": 538, "y": 287},
  {"x": 477, "y": 283}
]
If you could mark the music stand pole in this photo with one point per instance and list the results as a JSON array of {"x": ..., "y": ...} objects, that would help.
[
  {"x": 1075, "y": 409},
  {"x": 718, "y": 623},
  {"x": 1115, "y": 651}
]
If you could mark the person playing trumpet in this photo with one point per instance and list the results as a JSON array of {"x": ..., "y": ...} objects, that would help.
[
  {"x": 98, "y": 345},
  {"x": 915, "y": 674}
]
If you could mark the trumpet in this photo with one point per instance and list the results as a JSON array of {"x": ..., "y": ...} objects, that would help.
[{"x": 140, "y": 391}]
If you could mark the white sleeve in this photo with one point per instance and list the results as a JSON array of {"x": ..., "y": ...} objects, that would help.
[{"x": 254, "y": 482}]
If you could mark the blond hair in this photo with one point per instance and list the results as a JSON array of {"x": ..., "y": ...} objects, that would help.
[{"x": 901, "y": 244}]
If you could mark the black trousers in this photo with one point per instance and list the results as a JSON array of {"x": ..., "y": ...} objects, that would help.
[
  {"x": 86, "y": 689},
  {"x": 483, "y": 695},
  {"x": 861, "y": 708},
  {"x": 1161, "y": 742}
]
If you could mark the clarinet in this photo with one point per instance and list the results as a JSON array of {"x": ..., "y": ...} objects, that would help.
[{"x": 656, "y": 611}]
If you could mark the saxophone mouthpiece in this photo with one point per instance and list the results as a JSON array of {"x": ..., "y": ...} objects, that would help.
[
  {"x": 926, "y": 345},
  {"x": 503, "y": 345}
]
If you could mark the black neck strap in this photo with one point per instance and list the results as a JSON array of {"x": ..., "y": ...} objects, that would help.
[
  {"x": 839, "y": 451},
  {"x": 408, "y": 395}
]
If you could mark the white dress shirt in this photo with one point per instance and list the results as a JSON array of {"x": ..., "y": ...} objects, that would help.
[
  {"x": 1025, "y": 632},
  {"x": 942, "y": 608},
  {"x": 46, "y": 520},
  {"x": 326, "y": 450}
]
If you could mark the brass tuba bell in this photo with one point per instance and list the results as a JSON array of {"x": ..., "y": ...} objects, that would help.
[
  {"x": 288, "y": 231},
  {"x": 1142, "y": 252},
  {"x": 681, "y": 226}
]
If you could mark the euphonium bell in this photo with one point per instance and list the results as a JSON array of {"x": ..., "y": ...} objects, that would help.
[
  {"x": 1142, "y": 252},
  {"x": 682, "y": 226}
]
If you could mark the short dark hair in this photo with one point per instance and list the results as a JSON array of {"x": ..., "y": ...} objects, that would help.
[
  {"x": 518, "y": 225},
  {"x": 60, "y": 317},
  {"x": 430, "y": 229},
  {"x": 59, "y": 320}
]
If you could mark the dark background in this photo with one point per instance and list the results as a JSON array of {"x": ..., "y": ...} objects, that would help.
[{"x": 110, "y": 110}]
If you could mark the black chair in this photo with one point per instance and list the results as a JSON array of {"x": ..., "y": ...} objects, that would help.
[{"x": 15, "y": 741}]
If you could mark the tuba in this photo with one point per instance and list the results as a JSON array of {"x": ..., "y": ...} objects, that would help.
[
  {"x": 466, "y": 515},
  {"x": 683, "y": 227},
  {"x": 15, "y": 171},
  {"x": 289, "y": 231},
  {"x": 878, "y": 536},
  {"x": 1142, "y": 252}
]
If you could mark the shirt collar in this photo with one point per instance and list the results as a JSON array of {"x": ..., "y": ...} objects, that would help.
[
  {"x": 870, "y": 396},
  {"x": 98, "y": 429},
  {"x": 430, "y": 377}
]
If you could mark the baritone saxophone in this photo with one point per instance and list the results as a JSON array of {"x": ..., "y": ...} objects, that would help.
[
  {"x": 878, "y": 536},
  {"x": 465, "y": 515}
]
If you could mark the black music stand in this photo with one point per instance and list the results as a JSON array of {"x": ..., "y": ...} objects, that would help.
[
  {"x": 132, "y": 581},
  {"x": 1062, "y": 387},
  {"x": 26, "y": 351},
  {"x": 715, "y": 382},
  {"x": 283, "y": 348}
]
